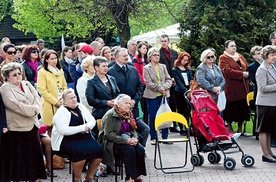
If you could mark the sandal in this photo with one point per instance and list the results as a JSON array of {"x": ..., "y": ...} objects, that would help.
[
  {"x": 91, "y": 180},
  {"x": 48, "y": 174}
]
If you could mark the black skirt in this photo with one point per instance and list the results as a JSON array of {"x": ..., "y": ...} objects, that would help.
[
  {"x": 21, "y": 156},
  {"x": 237, "y": 111},
  {"x": 81, "y": 148},
  {"x": 266, "y": 119}
]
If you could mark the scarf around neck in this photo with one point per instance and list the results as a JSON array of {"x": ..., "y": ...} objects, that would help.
[
  {"x": 54, "y": 70},
  {"x": 86, "y": 75},
  {"x": 126, "y": 117},
  {"x": 68, "y": 60},
  {"x": 235, "y": 56},
  {"x": 33, "y": 66}
]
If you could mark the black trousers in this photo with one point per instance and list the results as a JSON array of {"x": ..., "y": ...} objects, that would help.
[{"x": 133, "y": 158}]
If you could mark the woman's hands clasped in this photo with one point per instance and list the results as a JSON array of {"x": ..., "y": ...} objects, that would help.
[{"x": 132, "y": 141}]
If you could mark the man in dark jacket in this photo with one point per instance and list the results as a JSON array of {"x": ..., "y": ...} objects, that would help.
[
  {"x": 167, "y": 57},
  {"x": 129, "y": 83}
]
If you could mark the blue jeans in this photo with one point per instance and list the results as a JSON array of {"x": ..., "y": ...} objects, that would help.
[
  {"x": 153, "y": 106},
  {"x": 143, "y": 131}
]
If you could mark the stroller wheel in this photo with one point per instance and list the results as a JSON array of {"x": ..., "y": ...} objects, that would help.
[
  {"x": 218, "y": 157},
  {"x": 247, "y": 161},
  {"x": 229, "y": 163},
  {"x": 212, "y": 157},
  {"x": 201, "y": 160},
  {"x": 195, "y": 160}
]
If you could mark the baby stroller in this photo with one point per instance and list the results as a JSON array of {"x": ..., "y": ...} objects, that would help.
[{"x": 211, "y": 134}]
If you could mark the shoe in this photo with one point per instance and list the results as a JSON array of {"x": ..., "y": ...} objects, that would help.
[
  {"x": 274, "y": 156},
  {"x": 111, "y": 171},
  {"x": 183, "y": 133},
  {"x": 91, "y": 180},
  {"x": 48, "y": 174},
  {"x": 273, "y": 143},
  {"x": 236, "y": 136},
  {"x": 153, "y": 142},
  {"x": 264, "y": 159},
  {"x": 172, "y": 129}
]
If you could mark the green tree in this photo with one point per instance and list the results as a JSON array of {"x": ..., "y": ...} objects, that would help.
[
  {"x": 81, "y": 18},
  {"x": 5, "y": 8},
  {"x": 212, "y": 22}
]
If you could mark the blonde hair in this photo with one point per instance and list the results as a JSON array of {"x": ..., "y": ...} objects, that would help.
[
  {"x": 267, "y": 50},
  {"x": 86, "y": 62},
  {"x": 66, "y": 92},
  {"x": 204, "y": 54}
]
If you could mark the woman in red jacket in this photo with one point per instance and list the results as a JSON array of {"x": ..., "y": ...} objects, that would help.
[{"x": 233, "y": 66}]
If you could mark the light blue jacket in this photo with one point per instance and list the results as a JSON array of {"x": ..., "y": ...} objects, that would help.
[{"x": 207, "y": 80}]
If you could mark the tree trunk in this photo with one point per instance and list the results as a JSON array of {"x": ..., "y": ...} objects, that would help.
[{"x": 120, "y": 13}]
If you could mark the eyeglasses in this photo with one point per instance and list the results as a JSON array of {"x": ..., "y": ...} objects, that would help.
[
  {"x": 208, "y": 57},
  {"x": 11, "y": 52},
  {"x": 156, "y": 55},
  {"x": 17, "y": 74},
  {"x": 34, "y": 51}
]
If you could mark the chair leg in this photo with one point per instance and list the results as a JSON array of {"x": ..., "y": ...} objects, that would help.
[
  {"x": 52, "y": 167},
  {"x": 121, "y": 166},
  {"x": 116, "y": 171}
]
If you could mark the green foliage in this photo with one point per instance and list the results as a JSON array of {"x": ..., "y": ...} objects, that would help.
[
  {"x": 212, "y": 22},
  {"x": 5, "y": 8}
]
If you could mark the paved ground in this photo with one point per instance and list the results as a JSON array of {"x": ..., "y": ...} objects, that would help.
[{"x": 207, "y": 172}]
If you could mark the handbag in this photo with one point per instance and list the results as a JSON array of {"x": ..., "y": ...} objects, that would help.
[
  {"x": 58, "y": 162},
  {"x": 221, "y": 101},
  {"x": 194, "y": 85},
  {"x": 164, "y": 107}
]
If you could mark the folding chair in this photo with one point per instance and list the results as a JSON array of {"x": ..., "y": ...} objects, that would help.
[
  {"x": 166, "y": 117},
  {"x": 249, "y": 99},
  {"x": 52, "y": 164},
  {"x": 118, "y": 165}
]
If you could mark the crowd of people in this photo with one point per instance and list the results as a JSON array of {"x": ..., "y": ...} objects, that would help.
[{"x": 96, "y": 101}]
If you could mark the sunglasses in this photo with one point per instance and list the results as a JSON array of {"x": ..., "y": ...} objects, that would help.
[
  {"x": 208, "y": 57},
  {"x": 155, "y": 55},
  {"x": 34, "y": 51},
  {"x": 17, "y": 74},
  {"x": 10, "y": 52}
]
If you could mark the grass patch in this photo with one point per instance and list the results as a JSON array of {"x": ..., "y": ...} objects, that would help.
[{"x": 248, "y": 129}]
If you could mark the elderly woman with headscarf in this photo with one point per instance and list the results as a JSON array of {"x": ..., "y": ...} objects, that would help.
[{"x": 118, "y": 133}]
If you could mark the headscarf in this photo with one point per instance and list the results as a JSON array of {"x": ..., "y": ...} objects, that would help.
[{"x": 126, "y": 117}]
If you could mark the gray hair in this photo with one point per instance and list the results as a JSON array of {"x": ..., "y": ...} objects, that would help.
[
  {"x": 130, "y": 41},
  {"x": 152, "y": 51},
  {"x": 118, "y": 50},
  {"x": 120, "y": 98},
  {"x": 7, "y": 68},
  {"x": 204, "y": 54},
  {"x": 95, "y": 44}
]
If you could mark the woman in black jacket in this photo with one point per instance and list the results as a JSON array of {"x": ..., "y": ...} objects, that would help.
[
  {"x": 182, "y": 76},
  {"x": 101, "y": 89}
]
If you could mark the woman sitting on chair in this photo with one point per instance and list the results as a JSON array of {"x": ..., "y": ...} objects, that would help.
[
  {"x": 72, "y": 137},
  {"x": 118, "y": 133}
]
